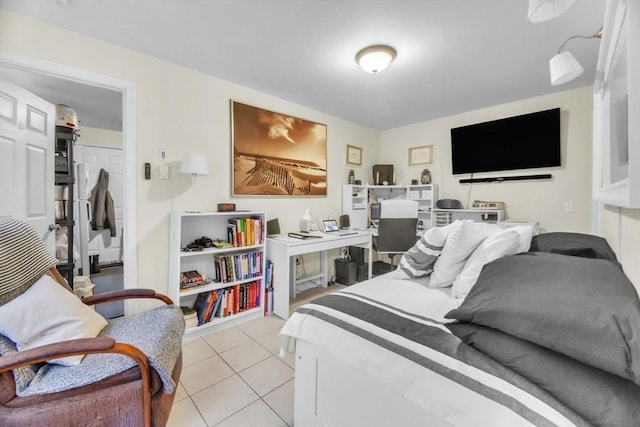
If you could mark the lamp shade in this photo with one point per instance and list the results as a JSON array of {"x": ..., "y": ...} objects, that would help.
[
  {"x": 544, "y": 10},
  {"x": 194, "y": 164},
  {"x": 563, "y": 68},
  {"x": 374, "y": 59}
]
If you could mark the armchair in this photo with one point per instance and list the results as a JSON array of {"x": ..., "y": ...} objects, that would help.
[
  {"x": 129, "y": 371},
  {"x": 397, "y": 227}
]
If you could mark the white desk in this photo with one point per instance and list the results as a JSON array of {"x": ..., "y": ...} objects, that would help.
[{"x": 282, "y": 250}]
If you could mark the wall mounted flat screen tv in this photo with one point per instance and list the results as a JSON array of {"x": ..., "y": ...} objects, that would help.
[{"x": 520, "y": 142}]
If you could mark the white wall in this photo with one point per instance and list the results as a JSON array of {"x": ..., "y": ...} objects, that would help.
[
  {"x": 180, "y": 110},
  {"x": 100, "y": 137},
  {"x": 538, "y": 201}
]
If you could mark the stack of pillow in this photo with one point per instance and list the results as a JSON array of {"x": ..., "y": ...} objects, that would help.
[
  {"x": 455, "y": 254},
  {"x": 563, "y": 315}
]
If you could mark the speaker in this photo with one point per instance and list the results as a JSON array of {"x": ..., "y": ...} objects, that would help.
[
  {"x": 273, "y": 227},
  {"x": 448, "y": 204},
  {"x": 344, "y": 221}
]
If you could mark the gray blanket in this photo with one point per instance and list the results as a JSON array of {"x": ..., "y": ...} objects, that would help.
[{"x": 161, "y": 342}]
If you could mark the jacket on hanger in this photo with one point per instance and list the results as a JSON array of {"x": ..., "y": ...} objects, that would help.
[{"x": 102, "y": 208}]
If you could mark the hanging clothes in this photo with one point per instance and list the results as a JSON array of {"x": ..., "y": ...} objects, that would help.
[{"x": 102, "y": 209}]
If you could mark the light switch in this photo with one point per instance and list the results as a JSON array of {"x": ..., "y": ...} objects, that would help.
[{"x": 163, "y": 171}]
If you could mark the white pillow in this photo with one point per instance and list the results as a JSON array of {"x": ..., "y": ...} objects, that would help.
[
  {"x": 510, "y": 241},
  {"x": 459, "y": 245},
  {"x": 419, "y": 260},
  {"x": 47, "y": 313}
]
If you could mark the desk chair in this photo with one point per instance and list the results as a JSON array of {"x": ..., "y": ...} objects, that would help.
[{"x": 396, "y": 227}]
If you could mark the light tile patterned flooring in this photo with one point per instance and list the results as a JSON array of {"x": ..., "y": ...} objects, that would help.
[{"x": 234, "y": 377}]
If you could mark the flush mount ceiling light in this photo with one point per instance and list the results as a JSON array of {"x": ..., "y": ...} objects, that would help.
[
  {"x": 374, "y": 59},
  {"x": 564, "y": 67},
  {"x": 544, "y": 10}
]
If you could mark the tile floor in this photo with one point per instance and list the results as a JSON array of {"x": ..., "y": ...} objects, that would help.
[{"x": 234, "y": 377}]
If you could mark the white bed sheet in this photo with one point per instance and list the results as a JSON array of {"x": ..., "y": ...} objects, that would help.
[{"x": 447, "y": 396}]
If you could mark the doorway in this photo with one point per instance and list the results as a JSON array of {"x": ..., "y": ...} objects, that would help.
[{"x": 79, "y": 79}]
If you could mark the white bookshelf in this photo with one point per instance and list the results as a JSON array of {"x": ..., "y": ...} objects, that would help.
[{"x": 185, "y": 228}]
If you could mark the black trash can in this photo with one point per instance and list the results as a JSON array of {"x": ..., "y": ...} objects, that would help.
[{"x": 345, "y": 271}]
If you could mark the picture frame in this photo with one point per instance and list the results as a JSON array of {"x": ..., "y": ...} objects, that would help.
[
  {"x": 422, "y": 155},
  {"x": 354, "y": 155},
  {"x": 275, "y": 154}
]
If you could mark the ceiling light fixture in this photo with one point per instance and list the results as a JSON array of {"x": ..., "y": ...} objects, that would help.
[
  {"x": 545, "y": 10},
  {"x": 564, "y": 67},
  {"x": 374, "y": 59}
]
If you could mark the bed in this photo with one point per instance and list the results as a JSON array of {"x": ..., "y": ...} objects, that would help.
[{"x": 540, "y": 331}]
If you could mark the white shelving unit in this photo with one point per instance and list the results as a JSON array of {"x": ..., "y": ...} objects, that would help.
[
  {"x": 356, "y": 200},
  {"x": 355, "y": 204},
  {"x": 185, "y": 228},
  {"x": 447, "y": 216}
]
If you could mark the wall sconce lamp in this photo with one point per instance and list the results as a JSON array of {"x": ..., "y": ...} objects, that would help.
[
  {"x": 545, "y": 10},
  {"x": 564, "y": 67},
  {"x": 374, "y": 59},
  {"x": 194, "y": 165}
]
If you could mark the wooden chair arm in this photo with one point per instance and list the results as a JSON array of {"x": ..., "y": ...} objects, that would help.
[
  {"x": 125, "y": 294},
  {"x": 86, "y": 346},
  {"x": 55, "y": 350}
]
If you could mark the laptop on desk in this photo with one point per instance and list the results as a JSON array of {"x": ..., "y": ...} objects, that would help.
[{"x": 331, "y": 226}]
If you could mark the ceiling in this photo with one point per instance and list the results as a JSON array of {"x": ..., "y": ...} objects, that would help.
[{"x": 453, "y": 55}]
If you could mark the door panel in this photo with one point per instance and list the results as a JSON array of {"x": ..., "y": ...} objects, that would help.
[
  {"x": 36, "y": 192},
  {"x": 27, "y": 126},
  {"x": 109, "y": 248},
  {"x": 7, "y": 187}
]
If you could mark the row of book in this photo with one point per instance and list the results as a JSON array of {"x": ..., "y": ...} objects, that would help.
[
  {"x": 268, "y": 290},
  {"x": 245, "y": 231},
  {"x": 227, "y": 301},
  {"x": 239, "y": 266},
  {"x": 189, "y": 279}
]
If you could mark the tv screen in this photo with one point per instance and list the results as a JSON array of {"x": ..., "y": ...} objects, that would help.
[{"x": 520, "y": 142}]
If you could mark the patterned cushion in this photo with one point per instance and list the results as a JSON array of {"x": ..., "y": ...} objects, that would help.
[{"x": 23, "y": 258}]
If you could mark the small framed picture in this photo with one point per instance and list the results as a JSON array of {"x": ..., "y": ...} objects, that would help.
[
  {"x": 421, "y": 155},
  {"x": 354, "y": 155}
]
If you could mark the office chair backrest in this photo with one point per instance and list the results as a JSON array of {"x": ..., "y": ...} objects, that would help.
[
  {"x": 399, "y": 208},
  {"x": 396, "y": 234}
]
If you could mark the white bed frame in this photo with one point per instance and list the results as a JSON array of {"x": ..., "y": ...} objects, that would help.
[{"x": 330, "y": 393}]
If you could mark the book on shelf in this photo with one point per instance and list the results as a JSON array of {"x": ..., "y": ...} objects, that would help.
[
  {"x": 190, "y": 317},
  {"x": 245, "y": 231},
  {"x": 188, "y": 312},
  {"x": 189, "y": 279},
  {"x": 238, "y": 298},
  {"x": 239, "y": 266},
  {"x": 206, "y": 305},
  {"x": 268, "y": 289}
]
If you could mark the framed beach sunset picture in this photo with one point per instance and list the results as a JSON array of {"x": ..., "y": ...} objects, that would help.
[{"x": 275, "y": 154}]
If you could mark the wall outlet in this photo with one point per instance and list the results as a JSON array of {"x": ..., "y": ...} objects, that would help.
[{"x": 568, "y": 207}]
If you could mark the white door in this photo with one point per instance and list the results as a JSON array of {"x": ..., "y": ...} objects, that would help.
[
  {"x": 101, "y": 243},
  {"x": 27, "y": 132}
]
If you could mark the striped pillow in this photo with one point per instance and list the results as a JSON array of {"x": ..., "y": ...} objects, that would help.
[
  {"x": 419, "y": 260},
  {"x": 23, "y": 258}
]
